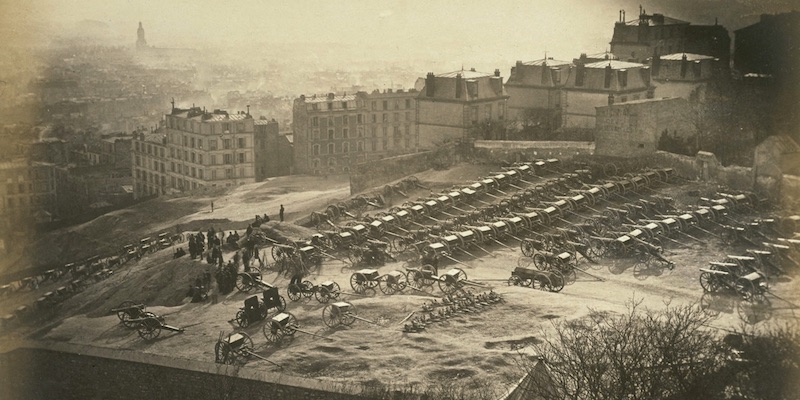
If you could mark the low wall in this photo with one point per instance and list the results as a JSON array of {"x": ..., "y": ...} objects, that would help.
[
  {"x": 705, "y": 167},
  {"x": 524, "y": 150},
  {"x": 94, "y": 373},
  {"x": 790, "y": 191},
  {"x": 377, "y": 173}
]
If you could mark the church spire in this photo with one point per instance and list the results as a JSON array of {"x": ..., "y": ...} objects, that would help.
[{"x": 140, "y": 42}]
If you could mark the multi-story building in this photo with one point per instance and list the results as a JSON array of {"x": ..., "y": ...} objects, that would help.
[
  {"x": 453, "y": 103},
  {"x": 26, "y": 188},
  {"x": 682, "y": 74},
  {"x": 195, "y": 149},
  {"x": 273, "y": 150},
  {"x": 594, "y": 84},
  {"x": 332, "y": 132},
  {"x": 534, "y": 89},
  {"x": 769, "y": 47},
  {"x": 656, "y": 34}
]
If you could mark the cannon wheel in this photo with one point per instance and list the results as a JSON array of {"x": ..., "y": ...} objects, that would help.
[
  {"x": 223, "y": 353},
  {"x": 708, "y": 282},
  {"x": 399, "y": 244},
  {"x": 241, "y": 319},
  {"x": 354, "y": 254},
  {"x": 415, "y": 279},
  {"x": 541, "y": 281},
  {"x": 707, "y": 304},
  {"x": 557, "y": 281},
  {"x": 294, "y": 291},
  {"x": 390, "y": 285},
  {"x": 322, "y": 294},
  {"x": 597, "y": 248},
  {"x": 641, "y": 270},
  {"x": 331, "y": 318},
  {"x": 540, "y": 261},
  {"x": 514, "y": 280},
  {"x": 291, "y": 325},
  {"x": 349, "y": 317},
  {"x": 150, "y": 327},
  {"x": 272, "y": 332},
  {"x": 527, "y": 248},
  {"x": 123, "y": 313},
  {"x": 449, "y": 287},
  {"x": 358, "y": 282},
  {"x": 307, "y": 289},
  {"x": 524, "y": 262}
]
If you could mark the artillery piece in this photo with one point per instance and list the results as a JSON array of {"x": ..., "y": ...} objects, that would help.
[
  {"x": 236, "y": 348},
  {"x": 549, "y": 280},
  {"x": 149, "y": 325},
  {"x": 341, "y": 313},
  {"x": 367, "y": 279},
  {"x": 284, "y": 325},
  {"x": 256, "y": 309},
  {"x": 128, "y": 311},
  {"x": 323, "y": 292}
]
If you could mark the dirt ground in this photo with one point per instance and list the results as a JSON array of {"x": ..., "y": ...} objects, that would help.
[{"x": 476, "y": 349}]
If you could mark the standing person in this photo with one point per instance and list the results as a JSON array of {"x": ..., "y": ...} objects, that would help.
[
  {"x": 280, "y": 213},
  {"x": 212, "y": 206}
]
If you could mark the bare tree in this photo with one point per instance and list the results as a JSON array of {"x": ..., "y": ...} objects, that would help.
[{"x": 639, "y": 354}]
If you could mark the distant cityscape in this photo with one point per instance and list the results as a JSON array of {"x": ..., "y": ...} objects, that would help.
[{"x": 105, "y": 135}]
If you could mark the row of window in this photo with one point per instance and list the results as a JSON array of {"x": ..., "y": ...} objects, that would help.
[
  {"x": 395, "y": 104},
  {"x": 397, "y": 131},
  {"x": 359, "y": 118},
  {"x": 198, "y": 173},
  {"x": 372, "y": 145},
  {"x": 211, "y": 143},
  {"x": 207, "y": 128},
  {"x": 213, "y": 159}
]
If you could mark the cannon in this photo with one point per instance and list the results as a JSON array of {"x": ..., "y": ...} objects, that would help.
[
  {"x": 751, "y": 288},
  {"x": 563, "y": 262},
  {"x": 129, "y": 310},
  {"x": 323, "y": 292},
  {"x": 256, "y": 309},
  {"x": 341, "y": 313},
  {"x": 389, "y": 283},
  {"x": 236, "y": 348},
  {"x": 250, "y": 280},
  {"x": 284, "y": 325},
  {"x": 373, "y": 253},
  {"x": 549, "y": 280},
  {"x": 150, "y": 325}
]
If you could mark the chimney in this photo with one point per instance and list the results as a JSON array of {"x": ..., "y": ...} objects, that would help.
[
  {"x": 656, "y": 63},
  {"x": 645, "y": 71},
  {"x": 611, "y": 99},
  {"x": 497, "y": 72},
  {"x": 459, "y": 86},
  {"x": 607, "y": 80},
  {"x": 430, "y": 84},
  {"x": 684, "y": 65}
]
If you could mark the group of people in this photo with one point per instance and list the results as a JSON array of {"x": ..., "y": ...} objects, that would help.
[{"x": 261, "y": 220}]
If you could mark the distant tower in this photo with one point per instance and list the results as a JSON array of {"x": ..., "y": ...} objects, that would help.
[{"x": 140, "y": 42}]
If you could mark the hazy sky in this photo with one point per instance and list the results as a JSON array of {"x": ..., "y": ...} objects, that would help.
[{"x": 500, "y": 30}]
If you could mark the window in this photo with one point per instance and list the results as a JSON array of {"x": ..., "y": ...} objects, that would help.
[
  {"x": 385, "y": 117},
  {"x": 212, "y": 144},
  {"x": 385, "y": 131},
  {"x": 396, "y": 117},
  {"x": 185, "y": 140},
  {"x": 194, "y": 158},
  {"x": 200, "y": 159},
  {"x": 172, "y": 166},
  {"x": 374, "y": 106},
  {"x": 330, "y": 134},
  {"x": 345, "y": 133},
  {"x": 315, "y": 150},
  {"x": 360, "y": 146},
  {"x": 314, "y": 121},
  {"x": 315, "y": 134},
  {"x": 314, "y": 107},
  {"x": 385, "y": 104},
  {"x": 623, "y": 99},
  {"x": 474, "y": 114},
  {"x": 344, "y": 104},
  {"x": 213, "y": 174},
  {"x": 372, "y": 131},
  {"x": 330, "y": 106},
  {"x": 242, "y": 157},
  {"x": 344, "y": 119},
  {"x": 408, "y": 103},
  {"x": 360, "y": 131},
  {"x": 396, "y": 132},
  {"x": 138, "y": 161},
  {"x": 226, "y": 143},
  {"x": 194, "y": 173},
  {"x": 501, "y": 111},
  {"x": 331, "y": 148},
  {"x": 408, "y": 115},
  {"x": 345, "y": 147},
  {"x": 408, "y": 129},
  {"x": 227, "y": 158},
  {"x": 315, "y": 163},
  {"x": 228, "y": 173},
  {"x": 137, "y": 146},
  {"x": 360, "y": 118},
  {"x": 331, "y": 162},
  {"x": 192, "y": 142},
  {"x": 200, "y": 173},
  {"x": 396, "y": 104},
  {"x": 242, "y": 143},
  {"x": 487, "y": 111}
]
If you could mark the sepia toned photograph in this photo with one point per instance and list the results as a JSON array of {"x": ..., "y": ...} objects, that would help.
[{"x": 400, "y": 200}]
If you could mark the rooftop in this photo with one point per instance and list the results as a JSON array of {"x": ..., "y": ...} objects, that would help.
[
  {"x": 547, "y": 62},
  {"x": 615, "y": 64},
  {"x": 466, "y": 74},
  {"x": 689, "y": 57},
  {"x": 655, "y": 19},
  {"x": 329, "y": 97}
]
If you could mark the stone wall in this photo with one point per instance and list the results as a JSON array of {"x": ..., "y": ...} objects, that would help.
[
  {"x": 705, "y": 167},
  {"x": 377, "y": 173},
  {"x": 510, "y": 151},
  {"x": 94, "y": 373}
]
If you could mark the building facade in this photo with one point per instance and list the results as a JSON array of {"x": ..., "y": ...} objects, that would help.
[
  {"x": 194, "y": 149},
  {"x": 273, "y": 151},
  {"x": 332, "y": 132},
  {"x": 683, "y": 74},
  {"x": 656, "y": 34},
  {"x": 594, "y": 84},
  {"x": 453, "y": 103},
  {"x": 535, "y": 88},
  {"x": 26, "y": 188},
  {"x": 633, "y": 129},
  {"x": 769, "y": 47}
]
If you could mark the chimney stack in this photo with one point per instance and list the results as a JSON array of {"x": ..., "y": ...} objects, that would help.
[
  {"x": 497, "y": 72},
  {"x": 430, "y": 84},
  {"x": 607, "y": 80},
  {"x": 459, "y": 86},
  {"x": 684, "y": 65}
]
